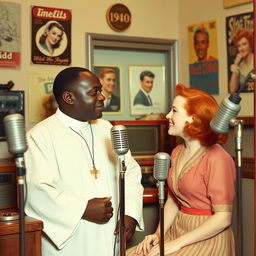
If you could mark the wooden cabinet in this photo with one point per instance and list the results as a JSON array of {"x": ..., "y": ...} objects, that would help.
[{"x": 9, "y": 237}]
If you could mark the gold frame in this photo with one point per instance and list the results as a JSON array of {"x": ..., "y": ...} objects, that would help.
[{"x": 231, "y": 3}]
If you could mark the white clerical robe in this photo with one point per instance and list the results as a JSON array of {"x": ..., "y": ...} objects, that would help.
[{"x": 60, "y": 185}]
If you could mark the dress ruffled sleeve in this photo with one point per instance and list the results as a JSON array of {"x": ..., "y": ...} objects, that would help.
[{"x": 220, "y": 179}]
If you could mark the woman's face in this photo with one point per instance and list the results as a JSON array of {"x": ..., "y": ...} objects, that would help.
[
  {"x": 54, "y": 35},
  {"x": 178, "y": 117},
  {"x": 243, "y": 47}
]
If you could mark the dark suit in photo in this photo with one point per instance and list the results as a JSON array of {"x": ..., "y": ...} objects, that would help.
[
  {"x": 142, "y": 99},
  {"x": 113, "y": 105}
]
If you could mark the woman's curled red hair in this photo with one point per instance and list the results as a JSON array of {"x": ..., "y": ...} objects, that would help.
[{"x": 202, "y": 107}]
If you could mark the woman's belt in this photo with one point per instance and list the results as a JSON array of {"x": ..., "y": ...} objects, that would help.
[{"x": 194, "y": 211}]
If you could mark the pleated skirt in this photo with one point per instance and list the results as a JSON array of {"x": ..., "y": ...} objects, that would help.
[{"x": 221, "y": 244}]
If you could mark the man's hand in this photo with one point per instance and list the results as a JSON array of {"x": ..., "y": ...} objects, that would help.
[
  {"x": 99, "y": 210},
  {"x": 130, "y": 225}
]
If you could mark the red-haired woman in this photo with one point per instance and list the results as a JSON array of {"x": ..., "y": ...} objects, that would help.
[
  {"x": 243, "y": 62},
  {"x": 198, "y": 210}
]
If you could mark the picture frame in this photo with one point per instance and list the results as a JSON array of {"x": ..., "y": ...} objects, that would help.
[
  {"x": 147, "y": 89},
  {"x": 231, "y": 3},
  {"x": 106, "y": 74},
  {"x": 129, "y": 50}
]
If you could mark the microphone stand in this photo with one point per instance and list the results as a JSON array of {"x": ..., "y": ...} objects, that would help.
[
  {"x": 161, "y": 215},
  {"x": 238, "y": 124},
  {"x": 21, "y": 171},
  {"x": 122, "y": 205}
]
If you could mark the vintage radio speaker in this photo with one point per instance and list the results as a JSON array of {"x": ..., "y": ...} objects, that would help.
[
  {"x": 146, "y": 138},
  {"x": 10, "y": 101},
  {"x": 8, "y": 188}
]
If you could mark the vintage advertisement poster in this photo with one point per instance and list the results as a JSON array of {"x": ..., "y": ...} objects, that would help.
[
  {"x": 10, "y": 35},
  {"x": 239, "y": 34},
  {"x": 41, "y": 100},
  {"x": 51, "y": 36},
  {"x": 203, "y": 56}
]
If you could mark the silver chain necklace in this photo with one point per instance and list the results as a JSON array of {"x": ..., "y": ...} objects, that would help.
[{"x": 94, "y": 171}]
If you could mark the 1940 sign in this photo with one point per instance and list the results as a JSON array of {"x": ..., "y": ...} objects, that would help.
[{"x": 118, "y": 17}]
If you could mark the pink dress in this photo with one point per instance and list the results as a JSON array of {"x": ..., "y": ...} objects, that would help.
[{"x": 205, "y": 184}]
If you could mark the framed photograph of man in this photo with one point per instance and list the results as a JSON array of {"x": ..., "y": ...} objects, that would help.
[
  {"x": 147, "y": 89},
  {"x": 110, "y": 78}
]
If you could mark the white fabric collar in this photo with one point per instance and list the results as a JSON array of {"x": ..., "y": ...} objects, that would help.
[{"x": 69, "y": 121}]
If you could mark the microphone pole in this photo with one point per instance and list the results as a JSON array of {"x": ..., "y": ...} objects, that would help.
[
  {"x": 238, "y": 124},
  {"x": 120, "y": 144},
  {"x": 17, "y": 145},
  {"x": 161, "y": 168}
]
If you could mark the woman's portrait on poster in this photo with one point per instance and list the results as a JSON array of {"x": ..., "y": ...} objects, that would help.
[
  {"x": 243, "y": 62},
  {"x": 51, "y": 39}
]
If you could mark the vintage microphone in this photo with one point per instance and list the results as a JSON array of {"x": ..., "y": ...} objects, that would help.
[
  {"x": 160, "y": 172},
  {"x": 17, "y": 146},
  {"x": 120, "y": 144}
]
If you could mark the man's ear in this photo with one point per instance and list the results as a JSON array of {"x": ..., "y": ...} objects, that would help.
[{"x": 68, "y": 97}]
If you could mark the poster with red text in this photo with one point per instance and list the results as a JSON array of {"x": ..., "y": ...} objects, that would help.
[
  {"x": 203, "y": 56},
  {"x": 51, "y": 36},
  {"x": 9, "y": 35},
  {"x": 240, "y": 52}
]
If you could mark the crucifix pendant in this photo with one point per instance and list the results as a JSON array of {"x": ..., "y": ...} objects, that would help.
[{"x": 94, "y": 172}]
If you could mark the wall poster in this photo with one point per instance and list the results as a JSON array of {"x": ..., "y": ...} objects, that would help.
[
  {"x": 203, "y": 56},
  {"x": 41, "y": 102},
  {"x": 239, "y": 34},
  {"x": 10, "y": 35},
  {"x": 51, "y": 36}
]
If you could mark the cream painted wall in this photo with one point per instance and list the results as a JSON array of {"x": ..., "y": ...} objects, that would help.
[
  {"x": 154, "y": 18},
  {"x": 196, "y": 11},
  {"x": 149, "y": 19}
]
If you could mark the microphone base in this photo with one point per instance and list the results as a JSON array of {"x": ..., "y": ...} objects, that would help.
[{"x": 9, "y": 216}]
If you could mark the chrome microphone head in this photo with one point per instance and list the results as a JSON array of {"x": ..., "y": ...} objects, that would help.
[
  {"x": 161, "y": 166},
  {"x": 119, "y": 138},
  {"x": 15, "y": 133},
  {"x": 228, "y": 110}
]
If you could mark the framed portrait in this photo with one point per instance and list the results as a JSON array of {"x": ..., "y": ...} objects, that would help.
[
  {"x": 231, "y": 3},
  {"x": 110, "y": 78},
  {"x": 147, "y": 89}
]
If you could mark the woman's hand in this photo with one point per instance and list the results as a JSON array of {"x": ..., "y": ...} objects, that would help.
[
  {"x": 149, "y": 242},
  {"x": 169, "y": 247},
  {"x": 238, "y": 59}
]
